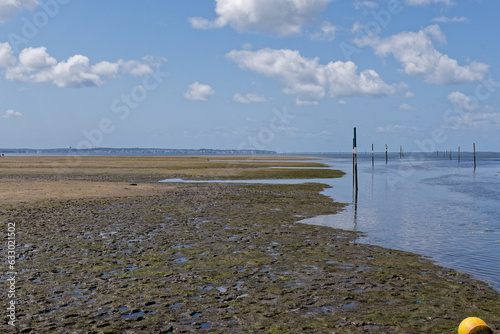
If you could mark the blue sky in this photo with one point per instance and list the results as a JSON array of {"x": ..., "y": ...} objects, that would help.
[{"x": 284, "y": 75}]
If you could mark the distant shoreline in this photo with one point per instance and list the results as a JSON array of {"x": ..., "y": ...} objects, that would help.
[{"x": 134, "y": 151}]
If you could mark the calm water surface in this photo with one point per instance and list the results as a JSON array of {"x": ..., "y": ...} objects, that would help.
[{"x": 432, "y": 206}]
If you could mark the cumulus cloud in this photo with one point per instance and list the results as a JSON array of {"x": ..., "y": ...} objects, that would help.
[
  {"x": 106, "y": 68},
  {"x": 469, "y": 113},
  {"x": 35, "y": 65},
  {"x": 199, "y": 92},
  {"x": 406, "y": 107},
  {"x": 11, "y": 114},
  {"x": 455, "y": 19},
  {"x": 281, "y": 17},
  {"x": 6, "y": 55},
  {"x": 250, "y": 98},
  {"x": 137, "y": 67},
  {"x": 8, "y": 8},
  {"x": 36, "y": 59},
  {"x": 462, "y": 101},
  {"x": 416, "y": 52},
  {"x": 307, "y": 78}
]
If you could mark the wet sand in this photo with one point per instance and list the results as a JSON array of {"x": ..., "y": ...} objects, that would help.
[{"x": 107, "y": 250}]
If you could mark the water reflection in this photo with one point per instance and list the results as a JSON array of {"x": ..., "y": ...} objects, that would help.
[{"x": 440, "y": 209}]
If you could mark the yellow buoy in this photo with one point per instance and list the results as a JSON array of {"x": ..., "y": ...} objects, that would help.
[{"x": 474, "y": 325}]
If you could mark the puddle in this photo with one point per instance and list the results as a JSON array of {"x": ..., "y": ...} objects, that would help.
[
  {"x": 347, "y": 305},
  {"x": 133, "y": 315},
  {"x": 174, "y": 305},
  {"x": 131, "y": 268},
  {"x": 182, "y": 246},
  {"x": 181, "y": 260},
  {"x": 341, "y": 264},
  {"x": 205, "y": 325}
]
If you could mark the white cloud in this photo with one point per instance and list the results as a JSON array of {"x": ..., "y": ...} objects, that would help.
[
  {"x": 365, "y": 4},
  {"x": 282, "y": 17},
  {"x": 6, "y": 55},
  {"x": 455, "y": 19},
  {"x": 36, "y": 65},
  {"x": 36, "y": 59},
  {"x": 136, "y": 67},
  {"x": 485, "y": 120},
  {"x": 406, "y": 107},
  {"x": 250, "y": 98},
  {"x": 396, "y": 129},
  {"x": 199, "y": 92},
  {"x": 11, "y": 113},
  {"x": 357, "y": 27},
  {"x": 427, "y": 2},
  {"x": 326, "y": 33},
  {"x": 416, "y": 52},
  {"x": 106, "y": 68},
  {"x": 300, "y": 102},
  {"x": 462, "y": 101},
  {"x": 74, "y": 72},
  {"x": 8, "y": 8},
  {"x": 307, "y": 78}
]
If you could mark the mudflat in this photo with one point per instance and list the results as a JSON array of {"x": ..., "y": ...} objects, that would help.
[{"x": 102, "y": 247}]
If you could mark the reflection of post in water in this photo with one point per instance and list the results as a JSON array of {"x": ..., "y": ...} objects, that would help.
[
  {"x": 355, "y": 179},
  {"x": 355, "y": 210},
  {"x": 355, "y": 162}
]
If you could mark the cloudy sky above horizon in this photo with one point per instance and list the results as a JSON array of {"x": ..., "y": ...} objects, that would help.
[{"x": 283, "y": 75}]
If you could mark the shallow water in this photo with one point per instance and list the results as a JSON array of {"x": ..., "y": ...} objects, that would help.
[
  {"x": 431, "y": 206},
  {"x": 428, "y": 205}
]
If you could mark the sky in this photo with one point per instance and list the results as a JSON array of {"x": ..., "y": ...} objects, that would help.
[{"x": 282, "y": 75}]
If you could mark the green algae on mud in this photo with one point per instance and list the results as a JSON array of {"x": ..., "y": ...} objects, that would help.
[
  {"x": 289, "y": 173},
  {"x": 225, "y": 258}
]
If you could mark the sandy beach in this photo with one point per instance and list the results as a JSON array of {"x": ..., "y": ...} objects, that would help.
[{"x": 103, "y": 247}]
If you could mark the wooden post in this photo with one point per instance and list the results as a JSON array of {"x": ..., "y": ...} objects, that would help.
[
  {"x": 450, "y": 154},
  {"x": 373, "y": 158},
  {"x": 386, "y": 154},
  {"x": 459, "y": 154},
  {"x": 474, "y": 146}
]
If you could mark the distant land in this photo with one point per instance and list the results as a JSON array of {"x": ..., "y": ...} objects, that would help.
[{"x": 133, "y": 151}]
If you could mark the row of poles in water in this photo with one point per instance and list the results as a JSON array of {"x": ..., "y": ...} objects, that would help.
[{"x": 401, "y": 154}]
